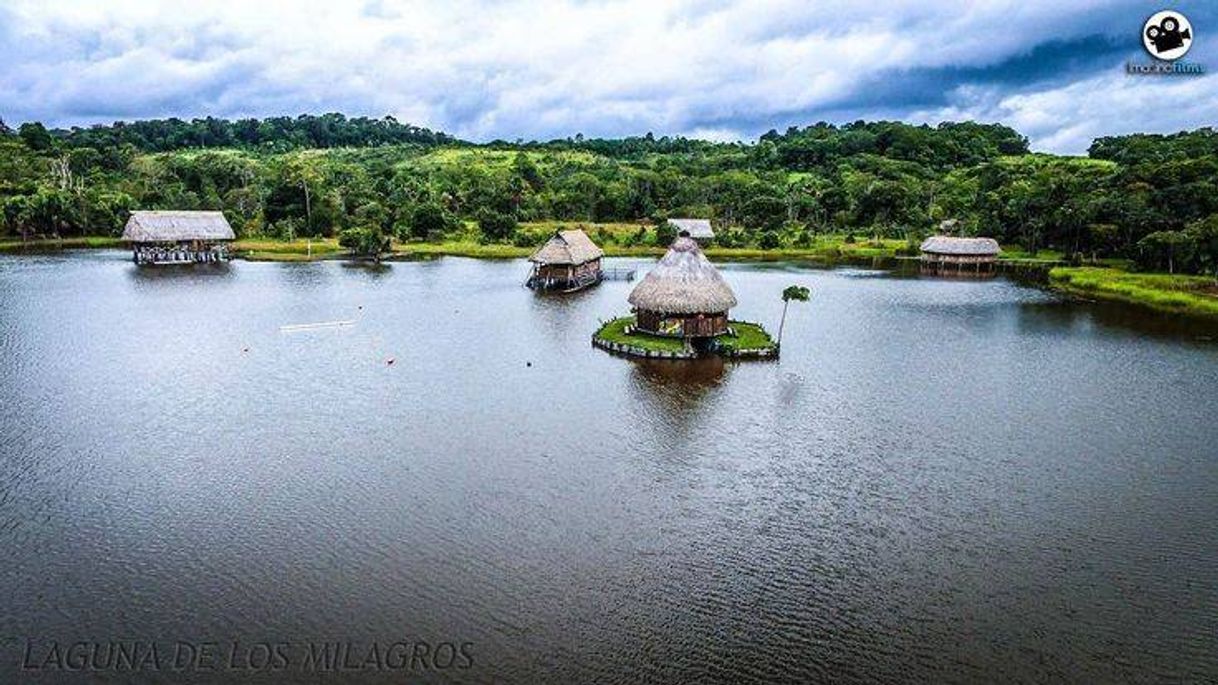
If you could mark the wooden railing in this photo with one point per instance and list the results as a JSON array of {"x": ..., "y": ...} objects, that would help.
[{"x": 618, "y": 273}]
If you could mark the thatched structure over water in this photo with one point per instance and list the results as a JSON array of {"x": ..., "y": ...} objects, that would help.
[
  {"x": 698, "y": 229},
  {"x": 684, "y": 295},
  {"x": 948, "y": 255},
  {"x": 159, "y": 237},
  {"x": 568, "y": 261}
]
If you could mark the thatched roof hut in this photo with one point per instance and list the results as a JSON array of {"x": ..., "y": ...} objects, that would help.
[
  {"x": 949, "y": 245},
  {"x": 698, "y": 229},
  {"x": 683, "y": 295},
  {"x": 176, "y": 227},
  {"x": 567, "y": 247},
  {"x": 947, "y": 254},
  {"x": 174, "y": 237},
  {"x": 568, "y": 261}
]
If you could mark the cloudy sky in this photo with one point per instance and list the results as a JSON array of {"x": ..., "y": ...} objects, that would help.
[{"x": 539, "y": 69}]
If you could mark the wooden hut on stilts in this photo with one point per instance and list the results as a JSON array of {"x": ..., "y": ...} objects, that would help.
[
  {"x": 684, "y": 295},
  {"x": 952, "y": 256},
  {"x": 568, "y": 261},
  {"x": 159, "y": 237}
]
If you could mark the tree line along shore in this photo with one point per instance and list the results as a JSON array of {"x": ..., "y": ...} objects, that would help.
[{"x": 1137, "y": 214}]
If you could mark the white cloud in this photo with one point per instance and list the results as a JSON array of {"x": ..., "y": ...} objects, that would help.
[
  {"x": 1066, "y": 119},
  {"x": 546, "y": 68}
]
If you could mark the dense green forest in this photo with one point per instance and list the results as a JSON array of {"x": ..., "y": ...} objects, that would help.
[{"x": 1152, "y": 199}]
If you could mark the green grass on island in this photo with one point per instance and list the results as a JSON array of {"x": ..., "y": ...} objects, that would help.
[
  {"x": 748, "y": 336},
  {"x": 1193, "y": 295},
  {"x": 615, "y": 332}
]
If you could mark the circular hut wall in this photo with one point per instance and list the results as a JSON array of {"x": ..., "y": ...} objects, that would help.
[{"x": 682, "y": 325}]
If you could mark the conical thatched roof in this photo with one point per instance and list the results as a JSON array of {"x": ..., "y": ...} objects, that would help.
[
  {"x": 567, "y": 247},
  {"x": 157, "y": 226},
  {"x": 684, "y": 282}
]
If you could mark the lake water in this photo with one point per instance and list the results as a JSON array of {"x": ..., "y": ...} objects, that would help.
[{"x": 939, "y": 481}]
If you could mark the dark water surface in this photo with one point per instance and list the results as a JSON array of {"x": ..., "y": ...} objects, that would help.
[{"x": 939, "y": 481}]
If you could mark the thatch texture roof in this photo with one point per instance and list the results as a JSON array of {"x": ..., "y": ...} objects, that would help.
[
  {"x": 684, "y": 282},
  {"x": 567, "y": 247},
  {"x": 699, "y": 229},
  {"x": 155, "y": 227},
  {"x": 941, "y": 244}
]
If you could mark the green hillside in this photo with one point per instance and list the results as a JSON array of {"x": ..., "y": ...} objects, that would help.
[{"x": 1149, "y": 199}]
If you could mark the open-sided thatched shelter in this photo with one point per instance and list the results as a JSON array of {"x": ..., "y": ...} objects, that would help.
[
  {"x": 158, "y": 237},
  {"x": 684, "y": 295},
  {"x": 951, "y": 256},
  {"x": 698, "y": 229},
  {"x": 568, "y": 261}
]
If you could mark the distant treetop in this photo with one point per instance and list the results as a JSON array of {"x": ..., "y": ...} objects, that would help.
[
  {"x": 946, "y": 146},
  {"x": 304, "y": 131},
  {"x": 1153, "y": 147},
  {"x": 817, "y": 147}
]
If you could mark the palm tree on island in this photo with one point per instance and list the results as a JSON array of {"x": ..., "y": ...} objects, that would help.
[{"x": 792, "y": 292}]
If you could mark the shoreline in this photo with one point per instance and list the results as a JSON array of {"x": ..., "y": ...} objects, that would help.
[
  {"x": 1184, "y": 295},
  {"x": 1191, "y": 296},
  {"x": 831, "y": 248}
]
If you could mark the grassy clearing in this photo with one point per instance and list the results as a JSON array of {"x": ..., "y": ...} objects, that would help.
[
  {"x": 91, "y": 241},
  {"x": 299, "y": 250},
  {"x": 461, "y": 249},
  {"x": 607, "y": 232},
  {"x": 1194, "y": 295},
  {"x": 1016, "y": 253},
  {"x": 464, "y": 157}
]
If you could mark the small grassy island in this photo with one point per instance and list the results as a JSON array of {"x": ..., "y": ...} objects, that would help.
[
  {"x": 681, "y": 312},
  {"x": 742, "y": 340}
]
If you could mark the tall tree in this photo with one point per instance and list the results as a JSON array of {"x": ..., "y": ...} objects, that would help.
[{"x": 793, "y": 292}]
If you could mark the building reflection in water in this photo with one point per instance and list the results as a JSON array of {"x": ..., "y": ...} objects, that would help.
[
  {"x": 673, "y": 395},
  {"x": 178, "y": 273}
]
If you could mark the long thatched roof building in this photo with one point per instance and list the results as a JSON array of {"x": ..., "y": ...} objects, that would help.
[
  {"x": 684, "y": 295},
  {"x": 178, "y": 236},
  {"x": 943, "y": 254},
  {"x": 569, "y": 261},
  {"x": 173, "y": 227},
  {"x": 950, "y": 245}
]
